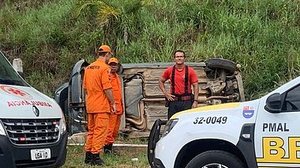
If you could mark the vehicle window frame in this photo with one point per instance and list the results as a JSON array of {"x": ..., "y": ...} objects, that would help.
[
  {"x": 285, "y": 95},
  {"x": 10, "y": 76}
]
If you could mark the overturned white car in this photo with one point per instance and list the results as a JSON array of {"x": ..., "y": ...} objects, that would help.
[{"x": 220, "y": 81}]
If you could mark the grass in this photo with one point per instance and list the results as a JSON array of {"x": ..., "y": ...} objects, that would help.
[
  {"x": 125, "y": 158},
  {"x": 261, "y": 35}
]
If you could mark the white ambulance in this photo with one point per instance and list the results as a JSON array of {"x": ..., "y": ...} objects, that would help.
[
  {"x": 32, "y": 125},
  {"x": 259, "y": 133}
]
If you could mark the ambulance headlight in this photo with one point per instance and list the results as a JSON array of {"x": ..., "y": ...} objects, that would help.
[
  {"x": 2, "y": 130},
  {"x": 62, "y": 125},
  {"x": 169, "y": 126}
]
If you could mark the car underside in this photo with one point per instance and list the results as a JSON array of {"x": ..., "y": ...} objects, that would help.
[{"x": 220, "y": 81}]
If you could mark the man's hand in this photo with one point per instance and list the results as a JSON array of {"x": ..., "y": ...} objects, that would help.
[
  {"x": 170, "y": 97},
  {"x": 195, "y": 104},
  {"x": 113, "y": 108}
]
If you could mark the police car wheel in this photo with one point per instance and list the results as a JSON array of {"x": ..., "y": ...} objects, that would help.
[{"x": 215, "y": 159}]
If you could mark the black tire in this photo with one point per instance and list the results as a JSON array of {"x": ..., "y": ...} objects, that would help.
[
  {"x": 220, "y": 63},
  {"x": 215, "y": 157}
]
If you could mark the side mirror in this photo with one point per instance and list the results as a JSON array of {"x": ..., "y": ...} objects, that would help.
[{"x": 273, "y": 103}]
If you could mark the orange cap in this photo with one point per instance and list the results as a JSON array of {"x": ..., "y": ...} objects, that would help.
[
  {"x": 113, "y": 59},
  {"x": 104, "y": 49}
]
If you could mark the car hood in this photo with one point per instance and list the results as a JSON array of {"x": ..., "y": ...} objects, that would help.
[
  {"x": 244, "y": 110},
  {"x": 26, "y": 102}
]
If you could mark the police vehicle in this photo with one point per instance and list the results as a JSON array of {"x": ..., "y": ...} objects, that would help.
[{"x": 259, "y": 133}]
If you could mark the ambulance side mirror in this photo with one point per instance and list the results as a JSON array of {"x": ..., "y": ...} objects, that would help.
[{"x": 273, "y": 103}]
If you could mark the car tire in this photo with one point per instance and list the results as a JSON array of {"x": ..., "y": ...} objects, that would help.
[
  {"x": 219, "y": 63},
  {"x": 215, "y": 157}
]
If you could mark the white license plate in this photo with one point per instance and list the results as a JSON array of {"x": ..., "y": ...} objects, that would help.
[{"x": 40, "y": 154}]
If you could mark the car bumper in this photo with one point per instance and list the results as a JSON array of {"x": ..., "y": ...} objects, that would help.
[
  {"x": 153, "y": 139},
  {"x": 19, "y": 155},
  {"x": 157, "y": 163}
]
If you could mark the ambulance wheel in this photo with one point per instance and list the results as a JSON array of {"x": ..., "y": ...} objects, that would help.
[{"x": 215, "y": 159}]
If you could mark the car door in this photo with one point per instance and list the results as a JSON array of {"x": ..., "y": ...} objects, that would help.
[{"x": 277, "y": 134}]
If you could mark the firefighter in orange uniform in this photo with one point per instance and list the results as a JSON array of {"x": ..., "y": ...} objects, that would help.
[
  {"x": 114, "y": 118},
  {"x": 99, "y": 104}
]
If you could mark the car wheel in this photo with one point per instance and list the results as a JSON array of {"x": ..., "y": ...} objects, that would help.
[
  {"x": 221, "y": 64},
  {"x": 215, "y": 159}
]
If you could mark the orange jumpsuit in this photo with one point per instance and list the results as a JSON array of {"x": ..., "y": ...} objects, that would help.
[
  {"x": 114, "y": 119},
  {"x": 96, "y": 80}
]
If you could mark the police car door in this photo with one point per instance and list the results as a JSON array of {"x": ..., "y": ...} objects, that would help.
[{"x": 277, "y": 130}]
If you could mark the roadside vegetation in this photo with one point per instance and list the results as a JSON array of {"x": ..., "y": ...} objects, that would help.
[
  {"x": 123, "y": 158},
  {"x": 50, "y": 36}
]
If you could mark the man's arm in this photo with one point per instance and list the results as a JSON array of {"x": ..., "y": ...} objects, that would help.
[
  {"x": 109, "y": 95},
  {"x": 196, "y": 94},
  {"x": 163, "y": 89}
]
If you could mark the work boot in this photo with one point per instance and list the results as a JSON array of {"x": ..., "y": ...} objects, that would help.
[
  {"x": 96, "y": 160},
  {"x": 108, "y": 149},
  {"x": 88, "y": 157}
]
